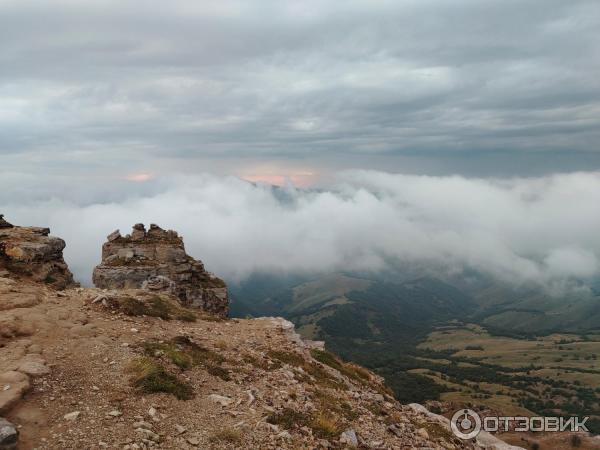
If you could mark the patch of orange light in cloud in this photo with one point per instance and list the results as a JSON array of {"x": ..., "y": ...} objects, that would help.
[
  {"x": 139, "y": 177},
  {"x": 300, "y": 179}
]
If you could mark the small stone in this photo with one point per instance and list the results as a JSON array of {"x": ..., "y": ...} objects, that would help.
[
  {"x": 34, "y": 368},
  {"x": 115, "y": 413},
  {"x": 221, "y": 400},
  {"x": 148, "y": 434},
  {"x": 193, "y": 441},
  {"x": 349, "y": 438},
  {"x": 152, "y": 411},
  {"x": 8, "y": 435},
  {"x": 113, "y": 236},
  {"x": 284, "y": 435},
  {"x": 180, "y": 429},
  {"x": 142, "y": 424},
  {"x": 72, "y": 415}
]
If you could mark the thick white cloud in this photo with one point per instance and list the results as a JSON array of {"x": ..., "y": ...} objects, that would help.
[{"x": 518, "y": 230}]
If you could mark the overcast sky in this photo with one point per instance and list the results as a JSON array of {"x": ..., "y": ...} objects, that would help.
[
  {"x": 474, "y": 125},
  {"x": 266, "y": 89}
]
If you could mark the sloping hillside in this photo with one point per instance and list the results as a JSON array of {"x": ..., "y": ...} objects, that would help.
[{"x": 133, "y": 369}]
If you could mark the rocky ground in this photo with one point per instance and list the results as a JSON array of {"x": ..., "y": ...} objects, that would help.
[
  {"x": 67, "y": 382},
  {"x": 85, "y": 368}
]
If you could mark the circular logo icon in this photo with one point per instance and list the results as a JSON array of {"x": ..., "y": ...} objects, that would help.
[{"x": 465, "y": 424}]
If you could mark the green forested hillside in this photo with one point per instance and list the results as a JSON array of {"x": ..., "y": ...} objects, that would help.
[{"x": 380, "y": 324}]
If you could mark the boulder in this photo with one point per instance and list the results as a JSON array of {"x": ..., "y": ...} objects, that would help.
[
  {"x": 156, "y": 260},
  {"x": 30, "y": 252},
  {"x": 4, "y": 223}
]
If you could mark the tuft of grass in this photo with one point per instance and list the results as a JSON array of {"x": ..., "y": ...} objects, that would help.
[
  {"x": 155, "y": 307},
  {"x": 170, "y": 350},
  {"x": 198, "y": 353},
  {"x": 206, "y": 317},
  {"x": 335, "y": 405},
  {"x": 186, "y": 316},
  {"x": 227, "y": 435},
  {"x": 185, "y": 354},
  {"x": 322, "y": 377},
  {"x": 221, "y": 345},
  {"x": 288, "y": 418},
  {"x": 218, "y": 371},
  {"x": 258, "y": 363},
  {"x": 326, "y": 426},
  {"x": 352, "y": 371},
  {"x": 309, "y": 369},
  {"x": 148, "y": 377},
  {"x": 293, "y": 359}
]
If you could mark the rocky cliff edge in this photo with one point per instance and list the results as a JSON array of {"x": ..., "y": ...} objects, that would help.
[{"x": 135, "y": 369}]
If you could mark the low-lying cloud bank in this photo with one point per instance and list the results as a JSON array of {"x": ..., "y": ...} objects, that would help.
[{"x": 544, "y": 230}]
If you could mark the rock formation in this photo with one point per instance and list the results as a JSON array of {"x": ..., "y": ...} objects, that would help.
[
  {"x": 29, "y": 252},
  {"x": 4, "y": 223},
  {"x": 156, "y": 260}
]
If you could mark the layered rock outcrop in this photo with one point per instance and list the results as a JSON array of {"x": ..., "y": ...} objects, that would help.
[
  {"x": 30, "y": 252},
  {"x": 156, "y": 260}
]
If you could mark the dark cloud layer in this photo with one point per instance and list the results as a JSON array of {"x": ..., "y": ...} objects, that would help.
[{"x": 476, "y": 87}]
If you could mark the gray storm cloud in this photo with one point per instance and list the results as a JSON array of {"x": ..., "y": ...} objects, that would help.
[
  {"x": 517, "y": 230},
  {"x": 491, "y": 87}
]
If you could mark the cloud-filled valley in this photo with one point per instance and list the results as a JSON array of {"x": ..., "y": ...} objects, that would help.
[{"x": 516, "y": 230}]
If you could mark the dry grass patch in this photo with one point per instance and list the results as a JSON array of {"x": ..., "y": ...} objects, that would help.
[
  {"x": 288, "y": 418},
  {"x": 310, "y": 371},
  {"x": 259, "y": 363},
  {"x": 290, "y": 358},
  {"x": 352, "y": 371},
  {"x": 149, "y": 376},
  {"x": 228, "y": 435},
  {"x": 335, "y": 404},
  {"x": 324, "y": 424},
  {"x": 154, "y": 306},
  {"x": 185, "y": 354}
]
